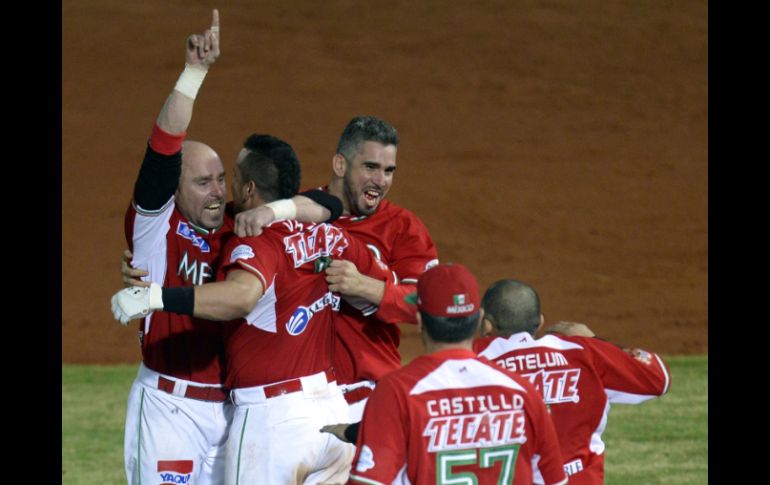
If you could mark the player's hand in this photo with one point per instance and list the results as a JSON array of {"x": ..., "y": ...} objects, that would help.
[
  {"x": 135, "y": 302},
  {"x": 337, "y": 430},
  {"x": 251, "y": 222},
  {"x": 570, "y": 329},
  {"x": 343, "y": 277},
  {"x": 132, "y": 276},
  {"x": 202, "y": 50}
]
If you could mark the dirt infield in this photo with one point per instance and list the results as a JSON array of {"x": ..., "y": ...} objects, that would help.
[{"x": 561, "y": 143}]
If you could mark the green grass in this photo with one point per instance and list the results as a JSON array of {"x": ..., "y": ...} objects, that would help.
[
  {"x": 93, "y": 413},
  {"x": 663, "y": 441}
]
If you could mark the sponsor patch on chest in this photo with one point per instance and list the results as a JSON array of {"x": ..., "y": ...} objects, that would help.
[
  {"x": 300, "y": 319},
  {"x": 183, "y": 229}
]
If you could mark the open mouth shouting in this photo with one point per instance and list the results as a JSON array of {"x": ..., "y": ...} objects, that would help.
[{"x": 372, "y": 198}]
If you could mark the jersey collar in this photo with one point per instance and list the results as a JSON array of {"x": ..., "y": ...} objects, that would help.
[
  {"x": 521, "y": 337},
  {"x": 447, "y": 354},
  {"x": 203, "y": 231}
]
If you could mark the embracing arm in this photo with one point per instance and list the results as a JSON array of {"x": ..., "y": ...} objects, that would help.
[
  {"x": 224, "y": 300},
  {"x": 309, "y": 206}
]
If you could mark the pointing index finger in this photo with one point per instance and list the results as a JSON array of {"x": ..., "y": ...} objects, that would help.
[{"x": 215, "y": 20}]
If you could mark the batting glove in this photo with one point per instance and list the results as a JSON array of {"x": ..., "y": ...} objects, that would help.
[{"x": 136, "y": 302}]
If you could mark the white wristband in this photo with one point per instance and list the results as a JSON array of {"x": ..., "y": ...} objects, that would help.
[
  {"x": 156, "y": 297},
  {"x": 190, "y": 81},
  {"x": 283, "y": 208}
]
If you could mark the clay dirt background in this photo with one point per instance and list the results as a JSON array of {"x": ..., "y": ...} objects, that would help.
[{"x": 558, "y": 142}]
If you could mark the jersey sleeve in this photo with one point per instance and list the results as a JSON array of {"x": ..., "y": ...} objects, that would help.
[
  {"x": 329, "y": 201},
  {"x": 159, "y": 174},
  {"x": 381, "y": 450},
  {"x": 629, "y": 376},
  {"x": 256, "y": 255},
  {"x": 413, "y": 253}
]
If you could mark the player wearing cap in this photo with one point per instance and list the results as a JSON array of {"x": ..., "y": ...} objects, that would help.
[{"x": 449, "y": 417}]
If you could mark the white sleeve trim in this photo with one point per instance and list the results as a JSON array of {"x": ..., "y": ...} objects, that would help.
[
  {"x": 620, "y": 397},
  {"x": 255, "y": 272},
  {"x": 151, "y": 213},
  {"x": 365, "y": 480},
  {"x": 370, "y": 310},
  {"x": 665, "y": 373}
]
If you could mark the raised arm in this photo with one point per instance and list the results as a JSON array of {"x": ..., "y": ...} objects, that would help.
[
  {"x": 159, "y": 174},
  {"x": 201, "y": 51}
]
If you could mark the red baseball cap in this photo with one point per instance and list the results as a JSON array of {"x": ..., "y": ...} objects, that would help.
[{"x": 446, "y": 290}]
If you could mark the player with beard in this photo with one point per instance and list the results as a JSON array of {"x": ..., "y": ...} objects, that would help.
[{"x": 362, "y": 174}]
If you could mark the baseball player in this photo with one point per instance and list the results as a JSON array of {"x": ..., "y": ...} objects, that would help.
[
  {"x": 449, "y": 417},
  {"x": 177, "y": 415},
  {"x": 279, "y": 346},
  {"x": 367, "y": 342},
  {"x": 578, "y": 374}
]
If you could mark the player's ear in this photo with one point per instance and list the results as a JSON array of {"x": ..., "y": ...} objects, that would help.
[
  {"x": 249, "y": 190},
  {"x": 542, "y": 322},
  {"x": 486, "y": 329},
  {"x": 480, "y": 323},
  {"x": 339, "y": 165}
]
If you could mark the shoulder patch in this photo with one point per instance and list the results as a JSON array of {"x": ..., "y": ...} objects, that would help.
[
  {"x": 242, "y": 251},
  {"x": 365, "y": 459}
]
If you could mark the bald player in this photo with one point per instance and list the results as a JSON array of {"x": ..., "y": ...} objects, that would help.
[
  {"x": 578, "y": 374},
  {"x": 448, "y": 416},
  {"x": 178, "y": 412},
  {"x": 279, "y": 344}
]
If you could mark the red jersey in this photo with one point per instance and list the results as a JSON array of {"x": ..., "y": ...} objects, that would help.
[
  {"x": 451, "y": 416},
  {"x": 367, "y": 344},
  {"x": 290, "y": 331},
  {"x": 578, "y": 378},
  {"x": 177, "y": 253}
]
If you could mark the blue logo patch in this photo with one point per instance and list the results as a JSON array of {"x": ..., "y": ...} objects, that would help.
[
  {"x": 188, "y": 232},
  {"x": 302, "y": 315},
  {"x": 298, "y": 321}
]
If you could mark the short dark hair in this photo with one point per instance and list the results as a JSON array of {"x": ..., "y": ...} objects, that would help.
[
  {"x": 365, "y": 128},
  {"x": 512, "y": 306},
  {"x": 450, "y": 329},
  {"x": 272, "y": 165}
]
